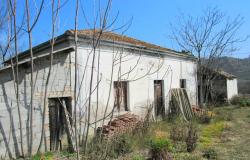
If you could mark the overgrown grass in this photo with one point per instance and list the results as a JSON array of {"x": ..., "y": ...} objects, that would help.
[
  {"x": 225, "y": 137},
  {"x": 210, "y": 132}
]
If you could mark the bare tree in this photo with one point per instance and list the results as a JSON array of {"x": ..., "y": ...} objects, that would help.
[
  {"x": 12, "y": 6},
  {"x": 76, "y": 77},
  {"x": 208, "y": 37},
  {"x": 3, "y": 19},
  {"x": 55, "y": 6},
  {"x": 30, "y": 26}
]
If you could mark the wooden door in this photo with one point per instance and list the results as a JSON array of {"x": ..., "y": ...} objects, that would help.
[
  {"x": 159, "y": 97},
  {"x": 120, "y": 93}
]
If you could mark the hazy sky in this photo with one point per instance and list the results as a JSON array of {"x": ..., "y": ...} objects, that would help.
[{"x": 151, "y": 18}]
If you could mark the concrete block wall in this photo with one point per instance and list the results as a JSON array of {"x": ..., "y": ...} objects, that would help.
[{"x": 59, "y": 85}]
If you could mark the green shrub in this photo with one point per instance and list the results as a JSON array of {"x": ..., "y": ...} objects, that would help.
[
  {"x": 240, "y": 100},
  {"x": 159, "y": 144},
  {"x": 160, "y": 148},
  {"x": 210, "y": 153}
]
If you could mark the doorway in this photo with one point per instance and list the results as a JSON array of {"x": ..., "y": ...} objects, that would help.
[
  {"x": 159, "y": 97},
  {"x": 59, "y": 110},
  {"x": 121, "y": 95}
]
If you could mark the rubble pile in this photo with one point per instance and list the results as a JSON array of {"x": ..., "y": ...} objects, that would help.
[{"x": 122, "y": 124}]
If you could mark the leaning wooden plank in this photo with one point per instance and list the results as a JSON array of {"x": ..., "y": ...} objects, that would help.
[
  {"x": 69, "y": 128},
  {"x": 181, "y": 101}
]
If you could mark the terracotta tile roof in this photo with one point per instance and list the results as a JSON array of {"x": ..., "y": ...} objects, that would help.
[
  {"x": 109, "y": 36},
  {"x": 121, "y": 38}
]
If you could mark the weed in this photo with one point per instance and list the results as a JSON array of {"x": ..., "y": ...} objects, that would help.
[
  {"x": 110, "y": 148},
  {"x": 138, "y": 157},
  {"x": 192, "y": 137},
  {"x": 119, "y": 146},
  {"x": 178, "y": 131},
  {"x": 204, "y": 117},
  {"x": 210, "y": 154},
  {"x": 224, "y": 116},
  {"x": 46, "y": 156},
  {"x": 187, "y": 156},
  {"x": 160, "y": 148}
]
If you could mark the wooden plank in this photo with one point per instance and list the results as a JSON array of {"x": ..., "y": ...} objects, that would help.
[{"x": 69, "y": 129}]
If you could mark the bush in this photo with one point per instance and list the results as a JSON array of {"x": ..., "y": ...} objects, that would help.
[
  {"x": 204, "y": 117},
  {"x": 120, "y": 146},
  {"x": 191, "y": 140},
  {"x": 210, "y": 154},
  {"x": 110, "y": 148},
  {"x": 159, "y": 144},
  {"x": 178, "y": 132},
  {"x": 160, "y": 148},
  {"x": 240, "y": 100}
]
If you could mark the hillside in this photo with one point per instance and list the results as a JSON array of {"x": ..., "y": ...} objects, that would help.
[{"x": 239, "y": 68}]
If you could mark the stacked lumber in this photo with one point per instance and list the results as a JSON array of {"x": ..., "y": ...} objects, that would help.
[
  {"x": 179, "y": 98},
  {"x": 122, "y": 124}
]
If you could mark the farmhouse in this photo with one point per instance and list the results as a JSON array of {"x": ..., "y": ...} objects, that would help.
[{"x": 115, "y": 73}]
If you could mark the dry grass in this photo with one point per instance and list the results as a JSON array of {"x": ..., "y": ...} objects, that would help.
[
  {"x": 228, "y": 134},
  {"x": 235, "y": 140}
]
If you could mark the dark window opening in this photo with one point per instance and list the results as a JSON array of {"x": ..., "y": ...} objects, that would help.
[
  {"x": 121, "y": 95},
  {"x": 183, "y": 83}
]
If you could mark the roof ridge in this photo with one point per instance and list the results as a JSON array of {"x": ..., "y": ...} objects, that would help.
[{"x": 110, "y": 35}]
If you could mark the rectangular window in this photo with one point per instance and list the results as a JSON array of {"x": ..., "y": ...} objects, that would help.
[
  {"x": 183, "y": 83},
  {"x": 121, "y": 95}
]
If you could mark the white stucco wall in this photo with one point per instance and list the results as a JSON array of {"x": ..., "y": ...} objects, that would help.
[
  {"x": 232, "y": 88},
  {"x": 141, "y": 84}
]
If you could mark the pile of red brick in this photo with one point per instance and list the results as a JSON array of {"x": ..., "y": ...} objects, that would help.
[{"x": 120, "y": 125}]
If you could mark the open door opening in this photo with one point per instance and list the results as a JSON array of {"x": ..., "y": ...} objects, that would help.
[
  {"x": 121, "y": 95},
  {"x": 159, "y": 97},
  {"x": 60, "y": 122}
]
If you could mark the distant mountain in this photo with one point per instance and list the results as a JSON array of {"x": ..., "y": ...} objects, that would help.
[{"x": 239, "y": 68}]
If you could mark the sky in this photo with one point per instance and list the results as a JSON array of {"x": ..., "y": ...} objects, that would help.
[{"x": 150, "y": 18}]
